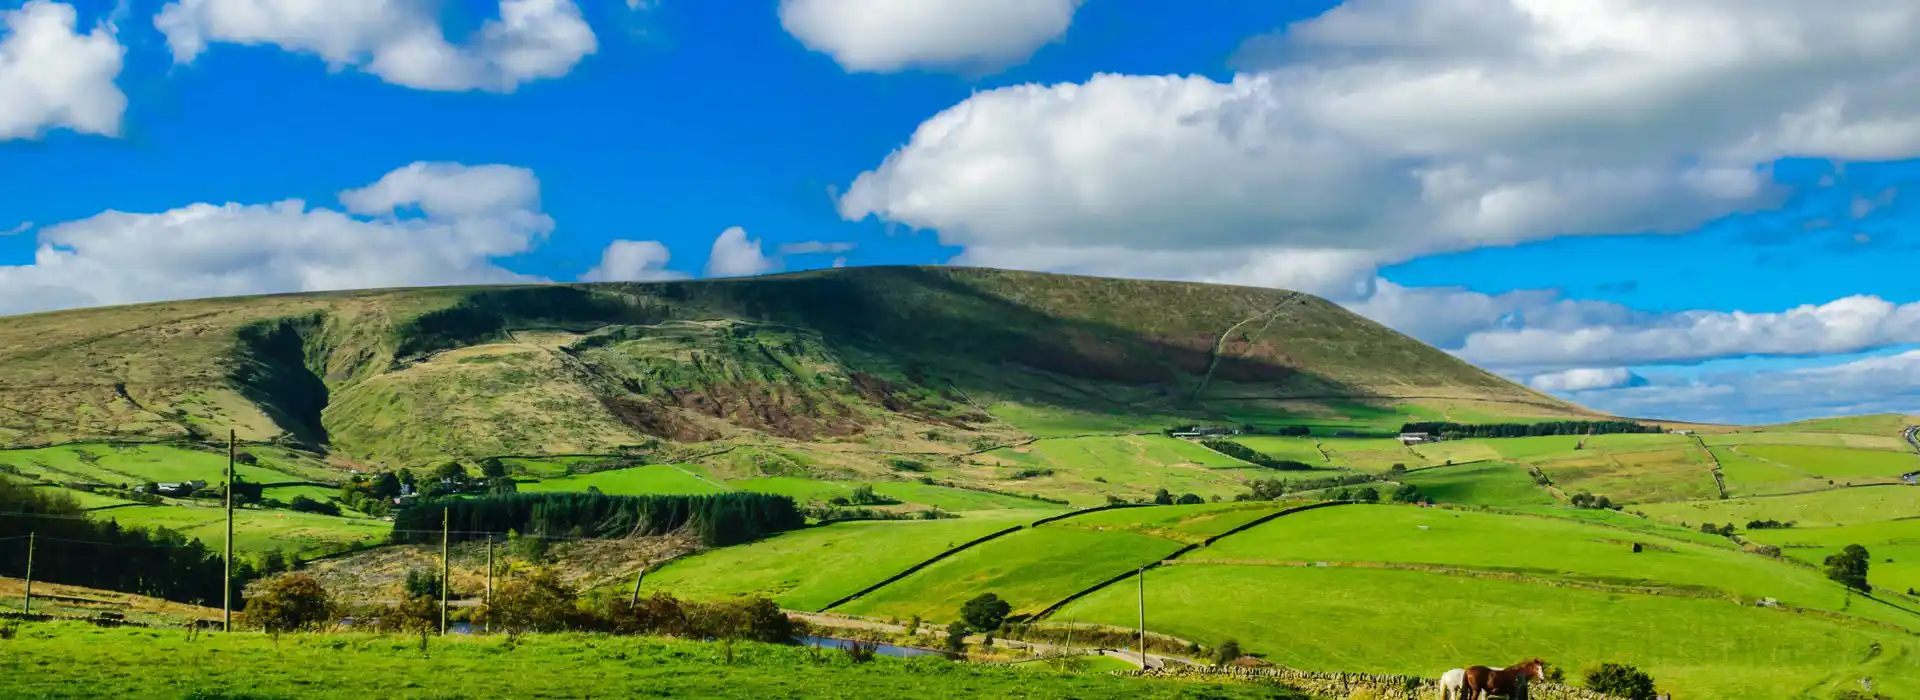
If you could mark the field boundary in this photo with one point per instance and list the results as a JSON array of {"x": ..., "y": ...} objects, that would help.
[
  {"x": 1713, "y": 460},
  {"x": 1431, "y": 467},
  {"x": 1051, "y": 609},
  {"x": 1084, "y": 511},
  {"x": 922, "y": 565}
]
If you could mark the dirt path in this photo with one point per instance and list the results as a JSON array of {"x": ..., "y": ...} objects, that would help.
[{"x": 1220, "y": 345}]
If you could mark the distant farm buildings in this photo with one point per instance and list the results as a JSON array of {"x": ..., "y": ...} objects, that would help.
[
  {"x": 1206, "y": 431},
  {"x": 1418, "y": 438},
  {"x": 1912, "y": 478},
  {"x": 179, "y": 489}
]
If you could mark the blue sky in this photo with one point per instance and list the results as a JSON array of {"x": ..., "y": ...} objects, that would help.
[{"x": 1607, "y": 205}]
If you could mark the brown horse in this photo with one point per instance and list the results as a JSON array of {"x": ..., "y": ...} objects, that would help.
[{"x": 1509, "y": 682}]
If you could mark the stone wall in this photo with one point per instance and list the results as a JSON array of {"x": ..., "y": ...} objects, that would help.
[{"x": 1342, "y": 686}]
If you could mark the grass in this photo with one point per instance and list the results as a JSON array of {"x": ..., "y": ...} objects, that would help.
[
  {"x": 807, "y": 569},
  {"x": 1030, "y": 569},
  {"x": 1532, "y": 547},
  {"x": 1836, "y": 463},
  {"x": 256, "y": 530},
  {"x": 1190, "y": 524},
  {"x": 1891, "y": 441},
  {"x": 286, "y": 494},
  {"x": 87, "y": 499},
  {"x": 1876, "y": 424},
  {"x": 1457, "y": 451},
  {"x": 1531, "y": 448},
  {"x": 71, "y": 660},
  {"x": 1480, "y": 483},
  {"x": 632, "y": 481},
  {"x": 134, "y": 465},
  {"x": 65, "y": 600},
  {"x": 1833, "y": 507},
  {"x": 1085, "y": 470},
  {"x": 1411, "y": 622},
  {"x": 1046, "y": 421},
  {"x": 1661, "y": 474},
  {"x": 1374, "y": 454},
  {"x": 1298, "y": 449},
  {"x": 1894, "y": 546},
  {"x": 1747, "y": 475}
]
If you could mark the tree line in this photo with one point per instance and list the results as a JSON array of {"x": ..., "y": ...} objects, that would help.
[
  {"x": 70, "y": 549},
  {"x": 1513, "y": 430},
  {"x": 1252, "y": 456},
  {"x": 718, "y": 519}
]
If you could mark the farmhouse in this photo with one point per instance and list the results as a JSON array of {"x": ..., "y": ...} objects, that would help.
[
  {"x": 1912, "y": 478},
  {"x": 1203, "y": 431},
  {"x": 179, "y": 489},
  {"x": 1417, "y": 438}
]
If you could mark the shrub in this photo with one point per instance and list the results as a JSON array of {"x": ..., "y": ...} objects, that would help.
[
  {"x": 1407, "y": 493},
  {"x": 308, "y": 505},
  {"x": 1227, "y": 653},
  {"x": 751, "y": 619},
  {"x": 1622, "y": 680},
  {"x": 907, "y": 465},
  {"x": 1162, "y": 498},
  {"x": 539, "y": 602},
  {"x": 985, "y": 612},
  {"x": 1189, "y": 499},
  {"x": 289, "y": 603},
  {"x": 957, "y": 637},
  {"x": 422, "y": 582}
]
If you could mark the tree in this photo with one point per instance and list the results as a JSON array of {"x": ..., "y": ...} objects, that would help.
[
  {"x": 1406, "y": 493},
  {"x": 289, "y": 603},
  {"x": 1367, "y": 494},
  {"x": 385, "y": 486},
  {"x": 308, "y": 505},
  {"x": 502, "y": 485},
  {"x": 407, "y": 479},
  {"x": 1162, "y": 498},
  {"x": 539, "y": 602},
  {"x": 1621, "y": 680},
  {"x": 1228, "y": 653},
  {"x": 423, "y": 582},
  {"x": 1397, "y": 469},
  {"x": 985, "y": 612},
  {"x": 957, "y": 637},
  {"x": 492, "y": 468},
  {"x": 1850, "y": 567},
  {"x": 452, "y": 474},
  {"x": 1188, "y": 499}
]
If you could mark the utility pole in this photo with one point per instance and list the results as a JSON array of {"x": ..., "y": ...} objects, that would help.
[
  {"x": 226, "y": 593},
  {"x": 637, "y": 578},
  {"x": 29, "y": 605},
  {"x": 488, "y": 625},
  {"x": 446, "y": 517},
  {"x": 1143, "y": 618}
]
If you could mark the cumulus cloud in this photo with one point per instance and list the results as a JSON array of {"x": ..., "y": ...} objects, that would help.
[
  {"x": 401, "y": 41},
  {"x": 1889, "y": 384},
  {"x": 815, "y": 247},
  {"x": 54, "y": 77},
  {"x": 1398, "y": 128},
  {"x": 1585, "y": 379},
  {"x": 736, "y": 255},
  {"x": 423, "y": 224},
  {"x": 1848, "y": 325},
  {"x": 889, "y": 35},
  {"x": 633, "y": 261}
]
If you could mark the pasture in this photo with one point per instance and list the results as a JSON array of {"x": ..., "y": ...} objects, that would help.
[
  {"x": 1298, "y": 449},
  {"x": 1640, "y": 476},
  {"x": 256, "y": 530},
  {"x": 807, "y": 569},
  {"x": 1084, "y": 470},
  {"x": 1837, "y": 463},
  {"x": 1188, "y": 524},
  {"x": 1371, "y": 454},
  {"x": 1479, "y": 483},
  {"x": 1747, "y": 475},
  {"x": 1890, "y": 441},
  {"x": 114, "y": 465},
  {"x": 1030, "y": 569},
  {"x": 74, "y": 660},
  {"x": 631, "y": 481},
  {"x": 1413, "y": 622},
  {"x": 1894, "y": 546},
  {"x": 1456, "y": 451},
  {"x": 1861, "y": 504}
]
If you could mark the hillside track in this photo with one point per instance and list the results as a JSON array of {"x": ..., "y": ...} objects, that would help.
[{"x": 1220, "y": 344}]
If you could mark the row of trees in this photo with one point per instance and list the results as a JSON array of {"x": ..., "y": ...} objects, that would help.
[
  {"x": 1270, "y": 489},
  {"x": 718, "y": 519},
  {"x": 1513, "y": 430},
  {"x": 73, "y": 550},
  {"x": 1252, "y": 456}
]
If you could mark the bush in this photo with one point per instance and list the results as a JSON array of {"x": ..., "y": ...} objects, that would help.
[
  {"x": 539, "y": 602},
  {"x": 1621, "y": 680},
  {"x": 422, "y": 582},
  {"x": 985, "y": 612},
  {"x": 1162, "y": 498},
  {"x": 1189, "y": 499},
  {"x": 1407, "y": 493},
  {"x": 288, "y": 604},
  {"x": 1227, "y": 653},
  {"x": 308, "y": 505},
  {"x": 957, "y": 637}
]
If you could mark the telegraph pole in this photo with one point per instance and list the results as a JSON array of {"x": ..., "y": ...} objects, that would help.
[
  {"x": 637, "y": 578},
  {"x": 226, "y": 594},
  {"x": 446, "y": 517},
  {"x": 1143, "y": 618},
  {"x": 29, "y": 604},
  {"x": 488, "y": 625}
]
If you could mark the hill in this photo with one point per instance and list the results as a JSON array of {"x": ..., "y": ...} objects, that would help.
[{"x": 827, "y": 372}]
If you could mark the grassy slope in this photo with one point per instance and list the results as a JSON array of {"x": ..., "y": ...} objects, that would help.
[
  {"x": 1480, "y": 483},
  {"x": 1832, "y": 507},
  {"x": 256, "y": 530},
  {"x": 1894, "y": 546},
  {"x": 76, "y": 661},
  {"x": 1030, "y": 569},
  {"x": 810, "y": 568}
]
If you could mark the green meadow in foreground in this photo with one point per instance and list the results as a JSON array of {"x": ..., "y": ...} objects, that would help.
[
  {"x": 1030, "y": 569},
  {"x": 76, "y": 661},
  {"x": 1382, "y": 621}
]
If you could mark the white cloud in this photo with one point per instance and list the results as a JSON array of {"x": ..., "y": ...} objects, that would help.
[
  {"x": 735, "y": 255},
  {"x": 24, "y": 227},
  {"x": 815, "y": 247},
  {"x": 1848, "y": 325},
  {"x": 467, "y": 217},
  {"x": 1399, "y": 128},
  {"x": 53, "y": 77},
  {"x": 889, "y": 35},
  {"x": 401, "y": 41},
  {"x": 633, "y": 261},
  {"x": 1585, "y": 379},
  {"x": 1889, "y": 384}
]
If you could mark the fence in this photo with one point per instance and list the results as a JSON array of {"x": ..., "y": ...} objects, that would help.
[{"x": 1348, "y": 685}]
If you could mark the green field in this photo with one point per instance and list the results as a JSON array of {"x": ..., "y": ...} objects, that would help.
[
  {"x": 1372, "y": 454},
  {"x": 1895, "y": 546},
  {"x": 1189, "y": 524},
  {"x": 1534, "y": 448},
  {"x": 1030, "y": 569},
  {"x": 72, "y": 660},
  {"x": 807, "y": 569},
  {"x": 1834, "y": 507},
  {"x": 1890, "y": 441},
  {"x": 632, "y": 481},
  {"x": 1750, "y": 476},
  {"x": 135, "y": 465},
  {"x": 86, "y": 499},
  {"x": 1836, "y": 463},
  {"x": 1382, "y": 621},
  {"x": 1639, "y": 476},
  {"x": 286, "y": 494},
  {"x": 1298, "y": 449},
  {"x": 1083, "y": 470},
  {"x": 1480, "y": 483},
  {"x": 1539, "y": 548},
  {"x": 256, "y": 530},
  {"x": 1457, "y": 451}
]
